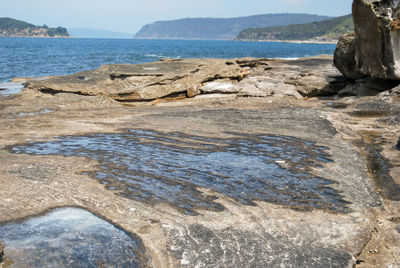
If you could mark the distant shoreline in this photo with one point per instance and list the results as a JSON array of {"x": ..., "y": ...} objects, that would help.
[
  {"x": 333, "y": 42},
  {"x": 29, "y": 36},
  {"x": 264, "y": 41}
]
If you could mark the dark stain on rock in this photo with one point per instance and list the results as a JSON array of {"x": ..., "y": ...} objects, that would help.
[
  {"x": 372, "y": 109},
  {"x": 370, "y": 113},
  {"x": 379, "y": 168},
  {"x": 154, "y": 167},
  {"x": 199, "y": 246},
  {"x": 398, "y": 145},
  {"x": 336, "y": 105}
]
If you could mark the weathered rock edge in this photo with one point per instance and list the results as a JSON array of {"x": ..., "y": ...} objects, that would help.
[{"x": 170, "y": 78}]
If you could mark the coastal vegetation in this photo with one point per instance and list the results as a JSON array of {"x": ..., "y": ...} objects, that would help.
[
  {"x": 219, "y": 28},
  {"x": 325, "y": 30},
  {"x": 16, "y": 28}
]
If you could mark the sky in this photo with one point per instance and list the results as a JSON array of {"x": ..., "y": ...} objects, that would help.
[{"x": 130, "y": 15}]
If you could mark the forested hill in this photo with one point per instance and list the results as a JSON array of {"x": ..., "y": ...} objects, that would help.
[
  {"x": 219, "y": 28},
  {"x": 16, "y": 28},
  {"x": 323, "y": 30}
]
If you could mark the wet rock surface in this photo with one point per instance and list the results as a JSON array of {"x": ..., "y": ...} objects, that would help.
[
  {"x": 199, "y": 245},
  {"x": 263, "y": 175},
  {"x": 156, "y": 167}
]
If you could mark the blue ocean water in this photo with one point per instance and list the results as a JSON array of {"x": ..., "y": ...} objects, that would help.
[{"x": 40, "y": 57}]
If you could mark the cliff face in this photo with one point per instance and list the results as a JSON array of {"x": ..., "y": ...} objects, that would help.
[{"x": 15, "y": 28}]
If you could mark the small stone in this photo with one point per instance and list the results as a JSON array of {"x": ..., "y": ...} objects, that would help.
[{"x": 193, "y": 91}]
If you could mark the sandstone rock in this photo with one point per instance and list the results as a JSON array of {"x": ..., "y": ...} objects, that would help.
[
  {"x": 150, "y": 81},
  {"x": 220, "y": 87},
  {"x": 170, "y": 78},
  {"x": 1, "y": 252},
  {"x": 258, "y": 86},
  {"x": 311, "y": 85},
  {"x": 264, "y": 86},
  {"x": 193, "y": 91},
  {"x": 4, "y": 261},
  {"x": 344, "y": 58},
  {"x": 395, "y": 93},
  {"x": 319, "y": 141},
  {"x": 377, "y": 44}
]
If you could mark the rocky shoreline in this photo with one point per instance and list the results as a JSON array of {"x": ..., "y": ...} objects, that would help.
[
  {"x": 208, "y": 99},
  {"x": 212, "y": 162}
]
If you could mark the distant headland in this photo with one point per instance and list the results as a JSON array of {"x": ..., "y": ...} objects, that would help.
[
  {"x": 318, "y": 31},
  {"x": 15, "y": 28},
  {"x": 219, "y": 28}
]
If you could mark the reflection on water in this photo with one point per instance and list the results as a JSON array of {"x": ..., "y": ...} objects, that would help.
[
  {"x": 155, "y": 167},
  {"x": 69, "y": 237}
]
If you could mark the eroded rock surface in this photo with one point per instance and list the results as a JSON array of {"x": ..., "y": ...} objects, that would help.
[
  {"x": 377, "y": 38},
  {"x": 249, "y": 171},
  {"x": 375, "y": 49},
  {"x": 345, "y": 59},
  {"x": 172, "y": 78},
  {"x": 2, "y": 258},
  {"x": 4, "y": 261}
]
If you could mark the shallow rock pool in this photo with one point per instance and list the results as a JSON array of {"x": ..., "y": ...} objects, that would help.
[{"x": 69, "y": 237}]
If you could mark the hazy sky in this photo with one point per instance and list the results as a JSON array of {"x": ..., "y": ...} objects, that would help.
[{"x": 129, "y": 15}]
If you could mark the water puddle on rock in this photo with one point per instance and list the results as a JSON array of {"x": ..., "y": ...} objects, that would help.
[
  {"x": 153, "y": 167},
  {"x": 69, "y": 237}
]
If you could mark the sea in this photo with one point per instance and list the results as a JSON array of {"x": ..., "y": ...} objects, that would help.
[{"x": 26, "y": 57}]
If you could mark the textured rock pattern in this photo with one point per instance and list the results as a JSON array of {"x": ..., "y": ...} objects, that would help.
[
  {"x": 170, "y": 78},
  {"x": 247, "y": 168},
  {"x": 344, "y": 58},
  {"x": 4, "y": 261},
  {"x": 377, "y": 44},
  {"x": 2, "y": 258},
  {"x": 109, "y": 148},
  {"x": 199, "y": 246}
]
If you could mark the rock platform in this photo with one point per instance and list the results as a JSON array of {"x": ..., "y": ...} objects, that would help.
[{"x": 217, "y": 130}]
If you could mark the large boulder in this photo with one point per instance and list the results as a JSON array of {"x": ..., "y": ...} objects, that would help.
[
  {"x": 344, "y": 58},
  {"x": 377, "y": 38}
]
